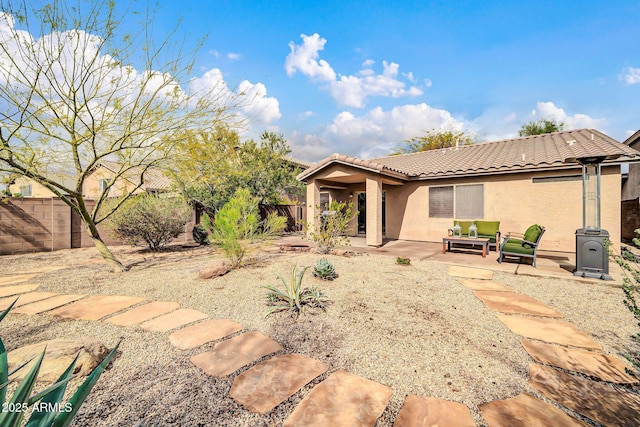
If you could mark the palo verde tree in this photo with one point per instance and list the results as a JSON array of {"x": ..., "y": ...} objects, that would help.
[
  {"x": 433, "y": 140},
  {"x": 80, "y": 85},
  {"x": 538, "y": 127}
]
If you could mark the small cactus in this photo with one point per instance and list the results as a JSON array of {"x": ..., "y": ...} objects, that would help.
[{"x": 324, "y": 270}]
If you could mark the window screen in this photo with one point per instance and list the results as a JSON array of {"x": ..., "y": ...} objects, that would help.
[
  {"x": 25, "y": 190},
  {"x": 441, "y": 202},
  {"x": 470, "y": 201}
]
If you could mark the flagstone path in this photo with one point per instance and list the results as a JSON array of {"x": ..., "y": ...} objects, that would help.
[{"x": 346, "y": 399}]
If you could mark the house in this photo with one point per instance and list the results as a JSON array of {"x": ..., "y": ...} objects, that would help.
[
  {"x": 631, "y": 194},
  {"x": 519, "y": 182}
]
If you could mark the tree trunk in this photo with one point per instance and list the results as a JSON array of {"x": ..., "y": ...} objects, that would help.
[{"x": 109, "y": 257}]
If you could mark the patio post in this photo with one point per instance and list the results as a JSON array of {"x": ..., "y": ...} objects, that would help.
[
  {"x": 374, "y": 211},
  {"x": 313, "y": 205}
]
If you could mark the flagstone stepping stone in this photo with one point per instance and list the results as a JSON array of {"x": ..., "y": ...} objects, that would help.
[
  {"x": 203, "y": 332},
  {"x": 143, "y": 313},
  {"x": 268, "y": 384},
  {"x": 484, "y": 285},
  {"x": 549, "y": 330},
  {"x": 25, "y": 299},
  {"x": 173, "y": 320},
  {"x": 343, "y": 399},
  {"x": 47, "y": 304},
  {"x": 469, "y": 272},
  {"x": 6, "y": 291},
  {"x": 16, "y": 278},
  {"x": 512, "y": 303},
  {"x": 419, "y": 411},
  {"x": 96, "y": 307},
  {"x": 603, "y": 366},
  {"x": 228, "y": 356},
  {"x": 525, "y": 410},
  {"x": 594, "y": 400}
]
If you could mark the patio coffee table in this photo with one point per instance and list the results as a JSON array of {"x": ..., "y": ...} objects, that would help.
[{"x": 447, "y": 241}]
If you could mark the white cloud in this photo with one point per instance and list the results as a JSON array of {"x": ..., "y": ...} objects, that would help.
[
  {"x": 347, "y": 90},
  {"x": 234, "y": 56},
  {"x": 305, "y": 115},
  {"x": 630, "y": 76},
  {"x": 548, "y": 110}
]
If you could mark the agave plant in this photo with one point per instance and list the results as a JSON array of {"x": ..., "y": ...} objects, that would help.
[
  {"x": 293, "y": 297},
  {"x": 324, "y": 270},
  {"x": 46, "y": 408}
]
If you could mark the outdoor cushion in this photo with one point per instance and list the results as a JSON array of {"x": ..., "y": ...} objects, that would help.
[
  {"x": 488, "y": 228},
  {"x": 532, "y": 235},
  {"x": 515, "y": 246}
]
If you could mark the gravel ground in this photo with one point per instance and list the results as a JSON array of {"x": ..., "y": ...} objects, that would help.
[{"x": 412, "y": 328}]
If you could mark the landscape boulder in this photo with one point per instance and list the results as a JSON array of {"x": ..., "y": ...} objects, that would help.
[
  {"x": 217, "y": 268},
  {"x": 60, "y": 353}
]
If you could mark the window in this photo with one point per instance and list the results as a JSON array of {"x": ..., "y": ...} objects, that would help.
[
  {"x": 25, "y": 190},
  {"x": 457, "y": 201},
  {"x": 104, "y": 184}
]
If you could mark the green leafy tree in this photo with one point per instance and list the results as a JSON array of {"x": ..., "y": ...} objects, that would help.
[
  {"x": 150, "y": 219},
  {"x": 433, "y": 140},
  {"x": 237, "y": 226},
  {"x": 209, "y": 167},
  {"x": 81, "y": 85},
  {"x": 539, "y": 127}
]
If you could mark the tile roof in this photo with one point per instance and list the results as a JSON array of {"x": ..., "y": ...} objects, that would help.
[
  {"x": 154, "y": 179},
  {"x": 548, "y": 151}
]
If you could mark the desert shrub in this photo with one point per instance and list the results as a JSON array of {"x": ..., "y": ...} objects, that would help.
[
  {"x": 403, "y": 261},
  {"x": 46, "y": 408},
  {"x": 237, "y": 225},
  {"x": 324, "y": 270},
  {"x": 333, "y": 226},
  {"x": 200, "y": 235},
  {"x": 153, "y": 220},
  {"x": 292, "y": 296}
]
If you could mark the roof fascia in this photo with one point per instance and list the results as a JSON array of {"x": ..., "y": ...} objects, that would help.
[{"x": 385, "y": 171}]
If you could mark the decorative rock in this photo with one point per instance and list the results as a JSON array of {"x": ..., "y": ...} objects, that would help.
[
  {"x": 173, "y": 320},
  {"x": 96, "y": 307},
  {"x": 218, "y": 267},
  {"x": 60, "y": 353},
  {"x": 142, "y": 313},
  {"x": 470, "y": 273},
  {"x": 594, "y": 400},
  {"x": 603, "y": 366},
  {"x": 6, "y": 291},
  {"x": 295, "y": 248},
  {"x": 16, "y": 278},
  {"x": 419, "y": 411},
  {"x": 549, "y": 330},
  {"x": 228, "y": 356},
  {"x": 512, "y": 303},
  {"x": 484, "y": 285},
  {"x": 525, "y": 410},
  {"x": 266, "y": 385},
  {"x": 343, "y": 399},
  {"x": 203, "y": 332},
  {"x": 47, "y": 304},
  {"x": 25, "y": 299}
]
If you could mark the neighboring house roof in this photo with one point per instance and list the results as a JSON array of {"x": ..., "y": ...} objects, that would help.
[
  {"x": 154, "y": 179},
  {"x": 632, "y": 139},
  {"x": 302, "y": 164},
  {"x": 548, "y": 151}
]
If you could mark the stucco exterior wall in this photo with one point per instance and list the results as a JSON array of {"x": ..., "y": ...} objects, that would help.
[{"x": 37, "y": 190}]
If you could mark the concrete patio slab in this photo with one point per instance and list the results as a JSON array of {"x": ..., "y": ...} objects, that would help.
[
  {"x": 173, "y": 320},
  {"x": 268, "y": 384},
  {"x": 513, "y": 303},
  {"x": 549, "y": 330},
  {"x": 525, "y": 410},
  {"x": 143, "y": 313},
  {"x": 6, "y": 291},
  {"x": 47, "y": 304},
  {"x": 596, "y": 401},
  {"x": 604, "y": 366},
  {"x": 343, "y": 399},
  {"x": 96, "y": 307},
  {"x": 469, "y": 272},
  {"x": 228, "y": 356},
  {"x": 25, "y": 299},
  {"x": 15, "y": 278},
  {"x": 418, "y": 411},
  {"x": 484, "y": 285},
  {"x": 203, "y": 332}
]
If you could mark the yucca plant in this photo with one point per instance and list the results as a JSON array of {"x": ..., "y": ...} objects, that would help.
[
  {"x": 292, "y": 297},
  {"x": 324, "y": 269},
  {"x": 46, "y": 408}
]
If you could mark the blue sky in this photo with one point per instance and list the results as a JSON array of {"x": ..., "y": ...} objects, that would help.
[{"x": 360, "y": 77}]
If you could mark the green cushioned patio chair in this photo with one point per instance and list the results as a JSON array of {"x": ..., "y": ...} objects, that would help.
[{"x": 522, "y": 245}]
